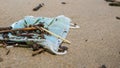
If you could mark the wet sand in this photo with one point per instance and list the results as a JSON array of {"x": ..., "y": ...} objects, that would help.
[{"x": 95, "y": 43}]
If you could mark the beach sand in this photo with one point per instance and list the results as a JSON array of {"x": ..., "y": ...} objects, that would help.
[{"x": 95, "y": 44}]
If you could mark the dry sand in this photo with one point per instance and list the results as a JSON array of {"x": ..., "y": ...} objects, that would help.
[{"x": 96, "y": 43}]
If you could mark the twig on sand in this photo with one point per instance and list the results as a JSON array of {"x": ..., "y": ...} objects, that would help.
[
  {"x": 118, "y": 18},
  {"x": 65, "y": 40},
  {"x": 38, "y": 51},
  {"x": 116, "y": 3},
  {"x": 38, "y": 7}
]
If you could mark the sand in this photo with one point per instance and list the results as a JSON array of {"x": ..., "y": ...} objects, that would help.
[{"x": 95, "y": 44}]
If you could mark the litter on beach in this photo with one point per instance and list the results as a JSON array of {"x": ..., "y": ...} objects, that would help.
[{"x": 38, "y": 33}]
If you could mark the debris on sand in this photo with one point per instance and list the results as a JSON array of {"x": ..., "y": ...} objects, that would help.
[
  {"x": 1, "y": 59},
  {"x": 116, "y": 3},
  {"x": 38, "y": 52},
  {"x": 110, "y": 0},
  {"x": 8, "y": 52},
  {"x": 74, "y": 25},
  {"x": 63, "y": 48},
  {"x": 103, "y": 66},
  {"x": 38, "y": 7},
  {"x": 63, "y": 2},
  {"x": 118, "y": 18}
]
